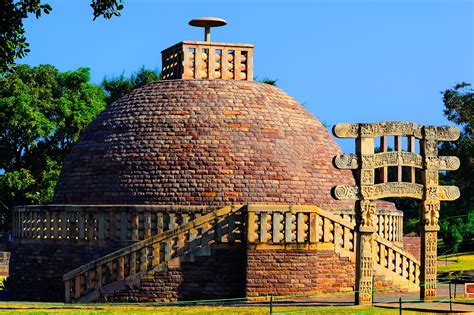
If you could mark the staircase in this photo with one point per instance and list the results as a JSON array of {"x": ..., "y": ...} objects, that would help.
[
  {"x": 266, "y": 226},
  {"x": 157, "y": 253}
]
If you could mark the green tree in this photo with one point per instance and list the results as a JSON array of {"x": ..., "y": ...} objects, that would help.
[
  {"x": 117, "y": 87},
  {"x": 267, "y": 81},
  {"x": 42, "y": 113},
  {"x": 457, "y": 218},
  {"x": 13, "y": 44}
]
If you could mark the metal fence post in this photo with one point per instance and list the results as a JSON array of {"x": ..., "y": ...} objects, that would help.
[
  {"x": 372, "y": 288},
  {"x": 450, "y": 299},
  {"x": 455, "y": 287},
  {"x": 271, "y": 304},
  {"x": 400, "y": 305}
]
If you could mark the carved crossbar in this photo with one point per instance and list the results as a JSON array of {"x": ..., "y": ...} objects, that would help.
[
  {"x": 394, "y": 189},
  {"x": 395, "y": 128},
  {"x": 384, "y": 159},
  {"x": 148, "y": 254}
]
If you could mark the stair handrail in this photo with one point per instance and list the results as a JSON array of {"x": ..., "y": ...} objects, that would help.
[
  {"x": 138, "y": 246},
  {"x": 412, "y": 271}
]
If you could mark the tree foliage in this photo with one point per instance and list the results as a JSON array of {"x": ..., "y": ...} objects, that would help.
[
  {"x": 42, "y": 113},
  {"x": 457, "y": 218},
  {"x": 116, "y": 87},
  {"x": 13, "y": 44},
  {"x": 266, "y": 81}
]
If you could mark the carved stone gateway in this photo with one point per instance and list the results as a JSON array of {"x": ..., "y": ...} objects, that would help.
[{"x": 368, "y": 189}]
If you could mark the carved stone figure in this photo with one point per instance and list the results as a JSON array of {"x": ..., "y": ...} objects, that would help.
[
  {"x": 430, "y": 147},
  {"x": 431, "y": 177},
  {"x": 431, "y": 213},
  {"x": 367, "y": 213},
  {"x": 367, "y": 177}
]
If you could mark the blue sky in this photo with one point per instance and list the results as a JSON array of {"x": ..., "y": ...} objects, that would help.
[{"x": 346, "y": 61}]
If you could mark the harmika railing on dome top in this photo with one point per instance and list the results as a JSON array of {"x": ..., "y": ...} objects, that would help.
[
  {"x": 100, "y": 222},
  {"x": 309, "y": 227},
  {"x": 208, "y": 60},
  {"x": 157, "y": 251}
]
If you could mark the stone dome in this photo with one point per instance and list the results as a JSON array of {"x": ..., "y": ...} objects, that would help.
[{"x": 203, "y": 142}]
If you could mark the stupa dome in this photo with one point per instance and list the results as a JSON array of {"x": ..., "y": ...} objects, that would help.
[{"x": 206, "y": 142}]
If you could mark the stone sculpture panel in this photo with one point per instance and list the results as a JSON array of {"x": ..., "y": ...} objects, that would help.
[{"x": 395, "y": 128}]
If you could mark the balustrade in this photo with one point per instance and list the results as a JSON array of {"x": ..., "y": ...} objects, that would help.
[
  {"x": 388, "y": 223},
  {"x": 396, "y": 260},
  {"x": 108, "y": 222},
  {"x": 280, "y": 226},
  {"x": 219, "y": 226},
  {"x": 308, "y": 227}
]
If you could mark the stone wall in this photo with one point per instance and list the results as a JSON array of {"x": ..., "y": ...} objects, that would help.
[
  {"x": 412, "y": 244},
  {"x": 221, "y": 275},
  {"x": 37, "y": 267},
  {"x": 285, "y": 272},
  {"x": 36, "y": 273}
]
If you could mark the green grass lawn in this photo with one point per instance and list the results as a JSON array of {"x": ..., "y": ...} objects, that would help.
[
  {"x": 144, "y": 309},
  {"x": 461, "y": 262}
]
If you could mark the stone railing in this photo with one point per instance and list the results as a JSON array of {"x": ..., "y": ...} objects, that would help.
[
  {"x": 100, "y": 222},
  {"x": 84, "y": 283},
  {"x": 388, "y": 223},
  {"x": 283, "y": 226},
  {"x": 397, "y": 260},
  {"x": 208, "y": 60},
  {"x": 308, "y": 227}
]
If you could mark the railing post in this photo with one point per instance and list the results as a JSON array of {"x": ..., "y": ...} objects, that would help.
[
  {"x": 373, "y": 289},
  {"x": 251, "y": 226}
]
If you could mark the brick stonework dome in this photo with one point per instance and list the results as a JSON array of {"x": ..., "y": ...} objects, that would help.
[{"x": 209, "y": 142}]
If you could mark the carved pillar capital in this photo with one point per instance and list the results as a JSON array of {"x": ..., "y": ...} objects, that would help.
[
  {"x": 367, "y": 215},
  {"x": 430, "y": 210}
]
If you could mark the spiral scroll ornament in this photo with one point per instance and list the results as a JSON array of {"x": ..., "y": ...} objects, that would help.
[
  {"x": 448, "y": 193},
  {"x": 343, "y": 192},
  {"x": 346, "y": 161}
]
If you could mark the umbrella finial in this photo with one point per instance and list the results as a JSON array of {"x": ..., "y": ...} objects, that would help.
[{"x": 207, "y": 23}]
